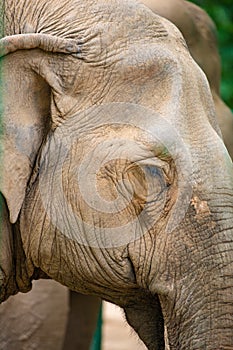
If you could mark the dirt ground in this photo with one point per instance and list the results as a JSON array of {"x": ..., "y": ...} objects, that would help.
[{"x": 36, "y": 320}]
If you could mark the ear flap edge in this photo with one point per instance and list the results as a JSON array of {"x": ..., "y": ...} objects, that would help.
[{"x": 15, "y": 173}]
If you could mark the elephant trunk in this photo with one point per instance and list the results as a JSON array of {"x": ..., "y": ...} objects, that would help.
[
  {"x": 198, "y": 311},
  {"x": 195, "y": 334},
  {"x": 206, "y": 323}
]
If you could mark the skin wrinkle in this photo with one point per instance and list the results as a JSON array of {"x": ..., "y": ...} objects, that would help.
[
  {"x": 226, "y": 194},
  {"x": 170, "y": 264},
  {"x": 31, "y": 228},
  {"x": 27, "y": 13},
  {"x": 201, "y": 278}
]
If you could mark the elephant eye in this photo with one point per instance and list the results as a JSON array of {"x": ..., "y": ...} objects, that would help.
[
  {"x": 148, "y": 183},
  {"x": 133, "y": 190},
  {"x": 153, "y": 172}
]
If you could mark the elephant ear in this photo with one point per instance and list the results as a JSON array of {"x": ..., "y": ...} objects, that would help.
[
  {"x": 25, "y": 110},
  {"x": 15, "y": 172}
]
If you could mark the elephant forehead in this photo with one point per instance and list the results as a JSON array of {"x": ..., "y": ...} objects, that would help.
[
  {"x": 133, "y": 41},
  {"x": 155, "y": 64},
  {"x": 72, "y": 18}
]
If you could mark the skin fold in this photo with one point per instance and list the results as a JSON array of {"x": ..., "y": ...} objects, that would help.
[{"x": 124, "y": 83}]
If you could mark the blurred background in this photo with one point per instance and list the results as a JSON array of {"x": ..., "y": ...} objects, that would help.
[{"x": 222, "y": 14}]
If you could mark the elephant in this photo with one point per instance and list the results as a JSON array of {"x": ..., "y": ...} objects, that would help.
[
  {"x": 199, "y": 32},
  {"x": 53, "y": 317},
  {"x": 110, "y": 146}
]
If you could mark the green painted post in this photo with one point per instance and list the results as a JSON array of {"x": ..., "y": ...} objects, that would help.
[{"x": 97, "y": 339}]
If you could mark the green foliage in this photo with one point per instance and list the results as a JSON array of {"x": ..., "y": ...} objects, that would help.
[{"x": 222, "y": 14}]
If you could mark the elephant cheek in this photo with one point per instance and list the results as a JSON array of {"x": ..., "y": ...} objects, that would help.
[{"x": 77, "y": 222}]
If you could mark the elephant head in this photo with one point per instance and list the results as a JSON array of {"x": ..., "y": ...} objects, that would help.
[{"x": 110, "y": 150}]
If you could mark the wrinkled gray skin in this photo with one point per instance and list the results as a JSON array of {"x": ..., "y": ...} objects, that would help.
[
  {"x": 181, "y": 278},
  {"x": 199, "y": 32},
  {"x": 51, "y": 313}
]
